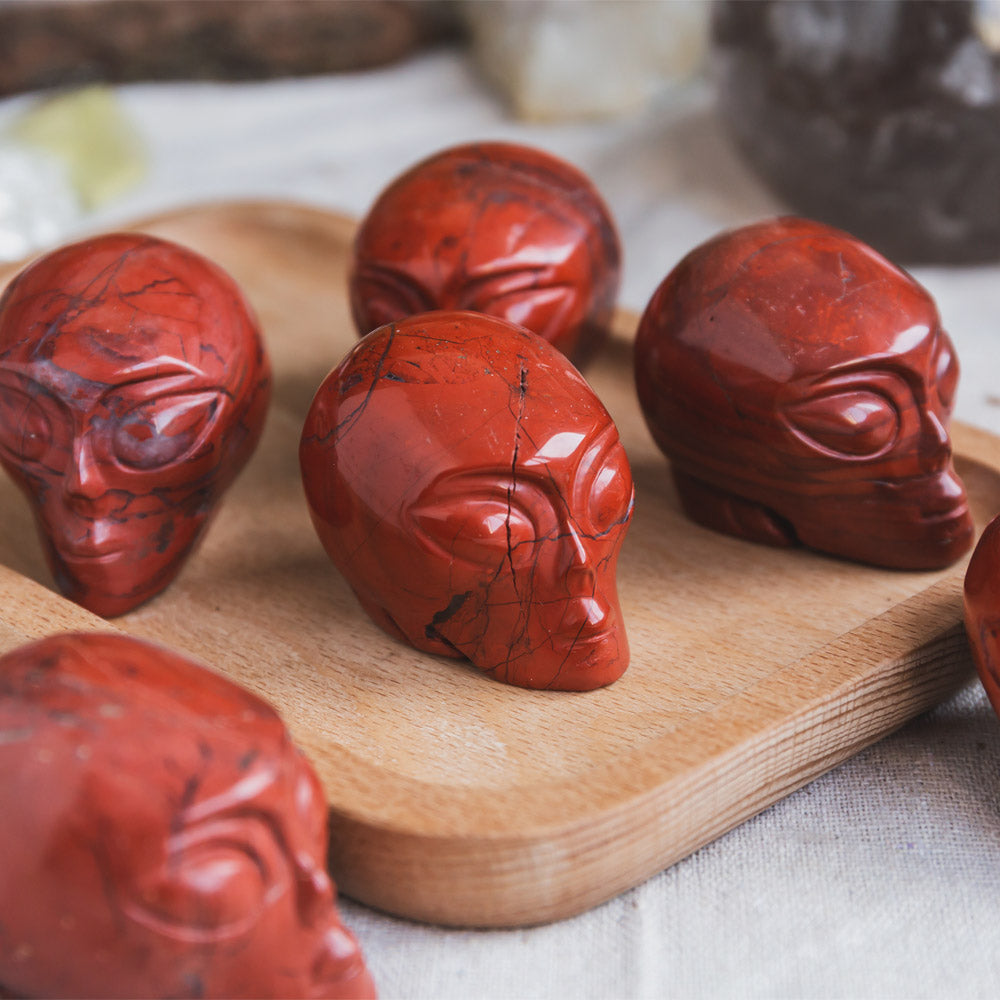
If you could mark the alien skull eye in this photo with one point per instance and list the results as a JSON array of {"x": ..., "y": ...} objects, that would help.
[
  {"x": 207, "y": 891},
  {"x": 857, "y": 423},
  {"x": 389, "y": 295},
  {"x": 611, "y": 498},
  {"x": 165, "y": 429},
  {"x": 480, "y": 522},
  {"x": 525, "y": 295},
  {"x": 25, "y": 431},
  {"x": 947, "y": 376},
  {"x": 543, "y": 309}
]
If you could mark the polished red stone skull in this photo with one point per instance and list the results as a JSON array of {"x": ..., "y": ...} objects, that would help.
[
  {"x": 473, "y": 491},
  {"x": 161, "y": 836},
  {"x": 801, "y": 386},
  {"x": 133, "y": 388},
  {"x": 982, "y": 610},
  {"x": 496, "y": 228}
]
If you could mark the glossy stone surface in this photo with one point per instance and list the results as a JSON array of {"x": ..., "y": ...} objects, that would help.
[
  {"x": 881, "y": 118},
  {"x": 161, "y": 837},
  {"x": 133, "y": 388},
  {"x": 496, "y": 228},
  {"x": 982, "y": 610},
  {"x": 474, "y": 493},
  {"x": 801, "y": 386}
]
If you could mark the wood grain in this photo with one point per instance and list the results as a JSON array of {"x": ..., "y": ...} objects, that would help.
[{"x": 455, "y": 799}]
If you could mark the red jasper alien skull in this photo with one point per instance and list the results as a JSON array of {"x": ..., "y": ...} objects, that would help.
[
  {"x": 161, "y": 835},
  {"x": 802, "y": 386},
  {"x": 982, "y": 610},
  {"x": 473, "y": 491},
  {"x": 133, "y": 388},
  {"x": 496, "y": 228}
]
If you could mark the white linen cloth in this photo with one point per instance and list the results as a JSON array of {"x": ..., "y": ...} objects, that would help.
[{"x": 880, "y": 879}]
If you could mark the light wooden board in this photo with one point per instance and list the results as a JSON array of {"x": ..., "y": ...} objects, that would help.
[{"x": 459, "y": 800}]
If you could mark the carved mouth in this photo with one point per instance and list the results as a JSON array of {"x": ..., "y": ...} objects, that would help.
[
  {"x": 587, "y": 637},
  {"x": 935, "y": 499},
  {"x": 944, "y": 507},
  {"x": 88, "y": 545},
  {"x": 956, "y": 512},
  {"x": 89, "y": 557}
]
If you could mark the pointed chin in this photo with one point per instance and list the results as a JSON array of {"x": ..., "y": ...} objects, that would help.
[
  {"x": 922, "y": 523},
  {"x": 112, "y": 572},
  {"x": 548, "y": 645},
  {"x": 339, "y": 969}
]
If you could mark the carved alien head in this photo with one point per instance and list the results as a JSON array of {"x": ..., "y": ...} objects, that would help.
[
  {"x": 495, "y": 228},
  {"x": 982, "y": 610},
  {"x": 162, "y": 835},
  {"x": 801, "y": 386},
  {"x": 133, "y": 388},
  {"x": 473, "y": 491}
]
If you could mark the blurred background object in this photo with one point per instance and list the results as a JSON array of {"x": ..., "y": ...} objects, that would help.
[
  {"x": 89, "y": 133},
  {"x": 554, "y": 59},
  {"x": 881, "y": 118},
  {"x": 36, "y": 203},
  {"x": 49, "y": 43},
  {"x": 61, "y": 157}
]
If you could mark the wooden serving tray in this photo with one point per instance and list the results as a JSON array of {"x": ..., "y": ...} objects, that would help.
[{"x": 459, "y": 800}]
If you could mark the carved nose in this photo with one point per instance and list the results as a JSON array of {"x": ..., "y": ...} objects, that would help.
[
  {"x": 947, "y": 491},
  {"x": 576, "y": 552},
  {"x": 584, "y": 607},
  {"x": 935, "y": 445},
  {"x": 582, "y": 616},
  {"x": 338, "y": 964},
  {"x": 84, "y": 479},
  {"x": 315, "y": 892}
]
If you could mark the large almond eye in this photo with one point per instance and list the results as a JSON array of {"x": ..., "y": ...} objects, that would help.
[
  {"x": 25, "y": 431},
  {"x": 523, "y": 296},
  {"x": 947, "y": 376},
  {"x": 610, "y": 497},
  {"x": 483, "y": 530},
  {"x": 165, "y": 429},
  {"x": 207, "y": 891},
  {"x": 387, "y": 295},
  {"x": 858, "y": 423},
  {"x": 542, "y": 310}
]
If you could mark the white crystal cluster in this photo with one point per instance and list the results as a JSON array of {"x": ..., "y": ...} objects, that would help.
[
  {"x": 562, "y": 59},
  {"x": 37, "y": 202}
]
